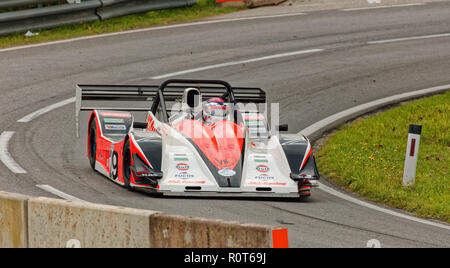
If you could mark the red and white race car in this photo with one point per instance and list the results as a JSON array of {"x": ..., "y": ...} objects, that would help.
[{"x": 206, "y": 143}]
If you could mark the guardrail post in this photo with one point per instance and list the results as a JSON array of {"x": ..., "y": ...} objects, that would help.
[{"x": 412, "y": 151}]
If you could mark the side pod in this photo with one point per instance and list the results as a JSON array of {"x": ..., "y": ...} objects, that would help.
[{"x": 298, "y": 154}]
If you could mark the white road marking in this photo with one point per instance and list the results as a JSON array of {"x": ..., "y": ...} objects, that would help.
[
  {"x": 373, "y": 243},
  {"x": 44, "y": 110},
  {"x": 378, "y": 7},
  {"x": 409, "y": 38},
  {"x": 149, "y": 30},
  {"x": 377, "y": 208},
  {"x": 321, "y": 125},
  {"x": 215, "y": 66},
  {"x": 5, "y": 156},
  {"x": 59, "y": 193}
]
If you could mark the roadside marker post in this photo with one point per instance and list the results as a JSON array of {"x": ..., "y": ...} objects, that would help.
[{"x": 412, "y": 151}]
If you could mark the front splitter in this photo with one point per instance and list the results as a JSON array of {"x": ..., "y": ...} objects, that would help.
[{"x": 231, "y": 194}]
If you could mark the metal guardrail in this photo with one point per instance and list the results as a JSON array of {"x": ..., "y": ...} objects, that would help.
[
  {"x": 65, "y": 14},
  {"x": 48, "y": 17},
  {"x": 5, "y": 4},
  {"x": 117, "y": 8}
]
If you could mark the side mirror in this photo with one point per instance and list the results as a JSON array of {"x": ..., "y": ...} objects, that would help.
[
  {"x": 192, "y": 97},
  {"x": 140, "y": 125},
  {"x": 284, "y": 127}
]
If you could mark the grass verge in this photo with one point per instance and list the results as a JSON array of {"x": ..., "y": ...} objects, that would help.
[
  {"x": 367, "y": 157},
  {"x": 203, "y": 9}
]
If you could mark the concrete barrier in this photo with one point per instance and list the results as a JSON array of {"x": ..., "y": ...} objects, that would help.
[
  {"x": 39, "y": 222},
  {"x": 169, "y": 231},
  {"x": 55, "y": 223},
  {"x": 13, "y": 220}
]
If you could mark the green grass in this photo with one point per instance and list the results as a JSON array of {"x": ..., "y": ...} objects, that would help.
[
  {"x": 203, "y": 9},
  {"x": 367, "y": 157}
]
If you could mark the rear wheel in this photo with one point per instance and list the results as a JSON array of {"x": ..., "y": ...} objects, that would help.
[
  {"x": 92, "y": 143},
  {"x": 126, "y": 167}
]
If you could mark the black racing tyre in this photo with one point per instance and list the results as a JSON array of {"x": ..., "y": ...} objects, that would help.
[
  {"x": 304, "y": 198},
  {"x": 92, "y": 143},
  {"x": 126, "y": 167},
  {"x": 305, "y": 194}
]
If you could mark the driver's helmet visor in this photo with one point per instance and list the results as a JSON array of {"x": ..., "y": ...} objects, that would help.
[
  {"x": 216, "y": 107},
  {"x": 216, "y": 110}
]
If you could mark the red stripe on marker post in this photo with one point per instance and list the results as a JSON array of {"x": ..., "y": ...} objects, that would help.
[
  {"x": 280, "y": 238},
  {"x": 412, "y": 151},
  {"x": 413, "y": 147}
]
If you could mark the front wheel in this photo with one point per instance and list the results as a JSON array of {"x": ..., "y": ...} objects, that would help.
[
  {"x": 304, "y": 189},
  {"x": 126, "y": 168}
]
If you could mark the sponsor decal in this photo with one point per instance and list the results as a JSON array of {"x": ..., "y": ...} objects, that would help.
[
  {"x": 113, "y": 120},
  {"x": 264, "y": 177},
  {"x": 261, "y": 161},
  {"x": 226, "y": 172},
  {"x": 253, "y": 118},
  {"x": 262, "y": 168},
  {"x": 115, "y": 127},
  {"x": 186, "y": 182},
  {"x": 254, "y": 123},
  {"x": 184, "y": 175},
  {"x": 226, "y": 162},
  {"x": 125, "y": 115},
  {"x": 182, "y": 167},
  {"x": 267, "y": 183},
  {"x": 180, "y": 159},
  {"x": 258, "y": 130}
]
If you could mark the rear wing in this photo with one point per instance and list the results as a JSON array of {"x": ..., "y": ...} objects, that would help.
[{"x": 103, "y": 97}]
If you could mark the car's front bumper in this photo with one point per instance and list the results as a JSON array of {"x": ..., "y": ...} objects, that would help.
[{"x": 231, "y": 194}]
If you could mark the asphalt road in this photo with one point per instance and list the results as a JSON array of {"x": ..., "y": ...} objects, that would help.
[{"x": 347, "y": 72}]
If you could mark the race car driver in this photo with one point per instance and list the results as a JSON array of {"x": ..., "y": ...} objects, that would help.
[{"x": 214, "y": 110}]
